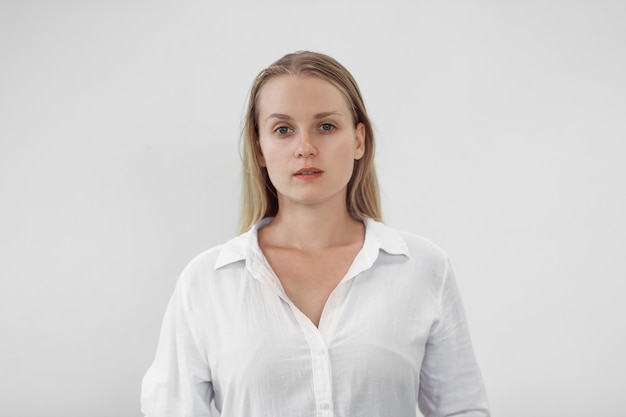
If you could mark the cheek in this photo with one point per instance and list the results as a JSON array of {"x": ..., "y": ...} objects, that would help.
[
  {"x": 266, "y": 153},
  {"x": 346, "y": 162},
  {"x": 260, "y": 155},
  {"x": 272, "y": 161}
]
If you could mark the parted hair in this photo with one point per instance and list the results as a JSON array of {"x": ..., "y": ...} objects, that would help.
[{"x": 259, "y": 197}]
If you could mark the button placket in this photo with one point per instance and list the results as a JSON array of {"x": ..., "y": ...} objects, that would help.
[
  {"x": 322, "y": 376},
  {"x": 332, "y": 309},
  {"x": 320, "y": 365}
]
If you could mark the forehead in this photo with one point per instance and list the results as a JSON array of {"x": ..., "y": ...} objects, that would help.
[{"x": 300, "y": 95}]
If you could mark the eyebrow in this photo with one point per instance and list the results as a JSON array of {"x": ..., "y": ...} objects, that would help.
[{"x": 316, "y": 116}]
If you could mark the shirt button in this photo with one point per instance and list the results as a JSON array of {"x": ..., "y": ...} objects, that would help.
[{"x": 324, "y": 406}]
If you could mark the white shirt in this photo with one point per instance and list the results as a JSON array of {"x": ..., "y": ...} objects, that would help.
[{"x": 392, "y": 334}]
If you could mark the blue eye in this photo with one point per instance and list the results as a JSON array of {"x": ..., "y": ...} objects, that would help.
[
  {"x": 327, "y": 127},
  {"x": 282, "y": 130}
]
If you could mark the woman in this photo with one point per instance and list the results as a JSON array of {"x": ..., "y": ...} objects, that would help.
[{"x": 318, "y": 309}]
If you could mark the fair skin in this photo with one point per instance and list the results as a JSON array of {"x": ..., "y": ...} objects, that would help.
[{"x": 308, "y": 141}]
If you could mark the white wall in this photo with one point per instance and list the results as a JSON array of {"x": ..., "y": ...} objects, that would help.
[{"x": 502, "y": 137}]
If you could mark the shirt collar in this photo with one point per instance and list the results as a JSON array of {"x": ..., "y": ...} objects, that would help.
[{"x": 378, "y": 236}]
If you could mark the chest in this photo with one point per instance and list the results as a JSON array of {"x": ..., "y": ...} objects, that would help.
[
  {"x": 376, "y": 335},
  {"x": 309, "y": 278}
]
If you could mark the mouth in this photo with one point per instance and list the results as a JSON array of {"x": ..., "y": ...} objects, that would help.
[{"x": 308, "y": 172}]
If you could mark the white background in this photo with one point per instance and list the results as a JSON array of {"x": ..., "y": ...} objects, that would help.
[{"x": 501, "y": 136}]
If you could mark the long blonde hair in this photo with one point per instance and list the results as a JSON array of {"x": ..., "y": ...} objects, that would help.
[{"x": 259, "y": 197}]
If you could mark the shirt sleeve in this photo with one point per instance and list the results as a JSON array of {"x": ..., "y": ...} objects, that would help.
[
  {"x": 178, "y": 383},
  {"x": 450, "y": 379}
]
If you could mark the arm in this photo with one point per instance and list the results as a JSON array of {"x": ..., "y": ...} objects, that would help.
[
  {"x": 450, "y": 380},
  {"x": 178, "y": 384}
]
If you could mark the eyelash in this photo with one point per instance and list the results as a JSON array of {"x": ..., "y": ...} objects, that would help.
[
  {"x": 329, "y": 127},
  {"x": 277, "y": 130}
]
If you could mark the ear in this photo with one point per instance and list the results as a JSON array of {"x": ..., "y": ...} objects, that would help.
[
  {"x": 360, "y": 141},
  {"x": 259, "y": 154}
]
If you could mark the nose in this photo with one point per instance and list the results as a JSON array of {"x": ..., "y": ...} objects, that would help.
[{"x": 305, "y": 148}]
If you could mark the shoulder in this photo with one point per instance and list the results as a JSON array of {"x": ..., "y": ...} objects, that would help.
[
  {"x": 423, "y": 247},
  {"x": 421, "y": 267},
  {"x": 200, "y": 268},
  {"x": 221, "y": 265},
  {"x": 418, "y": 255},
  {"x": 204, "y": 261},
  {"x": 410, "y": 244},
  {"x": 232, "y": 251}
]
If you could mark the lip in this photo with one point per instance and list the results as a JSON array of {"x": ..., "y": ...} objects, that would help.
[
  {"x": 308, "y": 173},
  {"x": 308, "y": 169}
]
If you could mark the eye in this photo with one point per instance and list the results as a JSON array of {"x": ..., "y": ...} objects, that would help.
[
  {"x": 327, "y": 127},
  {"x": 282, "y": 130}
]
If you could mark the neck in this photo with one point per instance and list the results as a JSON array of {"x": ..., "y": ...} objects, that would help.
[{"x": 313, "y": 228}]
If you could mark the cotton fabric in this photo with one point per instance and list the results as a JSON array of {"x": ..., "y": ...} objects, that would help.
[{"x": 392, "y": 335}]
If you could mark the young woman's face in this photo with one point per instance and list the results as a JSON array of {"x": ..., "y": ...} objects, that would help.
[{"x": 308, "y": 140}]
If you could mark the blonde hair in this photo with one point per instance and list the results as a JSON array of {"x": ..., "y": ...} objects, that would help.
[{"x": 259, "y": 197}]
